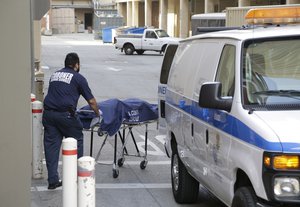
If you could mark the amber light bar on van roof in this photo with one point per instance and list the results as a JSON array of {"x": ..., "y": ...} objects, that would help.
[{"x": 283, "y": 15}]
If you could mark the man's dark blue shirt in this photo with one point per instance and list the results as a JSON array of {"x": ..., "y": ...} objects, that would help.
[{"x": 65, "y": 88}]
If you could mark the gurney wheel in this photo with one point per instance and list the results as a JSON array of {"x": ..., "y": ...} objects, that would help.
[
  {"x": 143, "y": 164},
  {"x": 115, "y": 173},
  {"x": 121, "y": 162}
]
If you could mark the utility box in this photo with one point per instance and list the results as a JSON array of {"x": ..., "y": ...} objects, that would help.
[{"x": 107, "y": 34}]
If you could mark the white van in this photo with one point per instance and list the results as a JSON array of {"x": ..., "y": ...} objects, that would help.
[
  {"x": 162, "y": 86},
  {"x": 232, "y": 110}
]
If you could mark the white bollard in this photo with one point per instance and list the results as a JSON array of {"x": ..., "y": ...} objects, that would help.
[
  {"x": 32, "y": 97},
  {"x": 37, "y": 139},
  {"x": 69, "y": 154},
  {"x": 86, "y": 182}
]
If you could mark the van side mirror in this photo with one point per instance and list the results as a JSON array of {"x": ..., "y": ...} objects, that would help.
[{"x": 210, "y": 97}]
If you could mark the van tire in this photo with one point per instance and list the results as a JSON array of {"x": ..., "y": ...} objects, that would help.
[
  {"x": 128, "y": 49},
  {"x": 244, "y": 197},
  {"x": 185, "y": 188}
]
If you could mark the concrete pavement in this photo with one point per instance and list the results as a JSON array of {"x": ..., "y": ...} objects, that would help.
[{"x": 112, "y": 74}]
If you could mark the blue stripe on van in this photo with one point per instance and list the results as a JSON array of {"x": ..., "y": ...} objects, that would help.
[{"x": 236, "y": 128}]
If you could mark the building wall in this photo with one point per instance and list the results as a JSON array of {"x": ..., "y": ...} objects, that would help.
[
  {"x": 133, "y": 11},
  {"x": 228, "y": 3},
  {"x": 141, "y": 14},
  {"x": 15, "y": 106},
  {"x": 63, "y": 20},
  {"x": 72, "y": 3},
  {"x": 79, "y": 14},
  {"x": 155, "y": 14},
  {"x": 197, "y": 6},
  {"x": 266, "y": 2},
  {"x": 66, "y": 15}
]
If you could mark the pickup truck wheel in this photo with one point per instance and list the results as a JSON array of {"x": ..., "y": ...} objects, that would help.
[
  {"x": 244, "y": 197},
  {"x": 140, "y": 52},
  {"x": 185, "y": 188},
  {"x": 128, "y": 49}
]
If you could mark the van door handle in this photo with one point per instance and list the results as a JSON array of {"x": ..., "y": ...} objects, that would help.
[
  {"x": 192, "y": 129},
  {"x": 206, "y": 135}
]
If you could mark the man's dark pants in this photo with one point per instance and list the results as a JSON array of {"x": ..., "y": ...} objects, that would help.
[{"x": 56, "y": 126}]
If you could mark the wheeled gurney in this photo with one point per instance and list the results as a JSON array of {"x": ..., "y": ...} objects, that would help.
[{"x": 118, "y": 120}]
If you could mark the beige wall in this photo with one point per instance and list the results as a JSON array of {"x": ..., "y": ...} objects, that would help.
[
  {"x": 37, "y": 40},
  {"x": 155, "y": 14},
  {"x": 228, "y": 3},
  {"x": 71, "y": 2},
  {"x": 63, "y": 14},
  {"x": 163, "y": 14},
  {"x": 63, "y": 20},
  {"x": 166, "y": 13},
  {"x": 141, "y": 22},
  {"x": 129, "y": 14},
  {"x": 79, "y": 13},
  {"x": 264, "y": 2},
  {"x": 15, "y": 106},
  {"x": 122, "y": 10},
  {"x": 197, "y": 6},
  {"x": 293, "y": 1}
]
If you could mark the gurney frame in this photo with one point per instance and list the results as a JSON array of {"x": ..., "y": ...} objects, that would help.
[{"x": 124, "y": 138}]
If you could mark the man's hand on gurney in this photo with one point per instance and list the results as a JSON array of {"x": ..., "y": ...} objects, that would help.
[{"x": 96, "y": 120}]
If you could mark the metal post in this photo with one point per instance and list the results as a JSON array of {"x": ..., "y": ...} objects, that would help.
[
  {"x": 37, "y": 137},
  {"x": 86, "y": 182},
  {"x": 69, "y": 154}
]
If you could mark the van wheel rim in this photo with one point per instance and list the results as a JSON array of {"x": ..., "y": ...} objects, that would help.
[{"x": 175, "y": 173}]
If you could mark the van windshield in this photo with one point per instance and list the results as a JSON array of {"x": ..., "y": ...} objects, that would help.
[{"x": 271, "y": 73}]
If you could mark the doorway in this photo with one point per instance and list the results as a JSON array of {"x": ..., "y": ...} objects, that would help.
[{"x": 88, "y": 20}]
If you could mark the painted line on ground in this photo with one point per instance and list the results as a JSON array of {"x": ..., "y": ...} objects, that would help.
[
  {"x": 161, "y": 138},
  {"x": 156, "y": 150},
  {"x": 45, "y": 67},
  {"x": 114, "y": 69},
  {"x": 115, "y": 186}
]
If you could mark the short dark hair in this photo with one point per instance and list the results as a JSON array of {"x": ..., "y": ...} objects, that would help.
[{"x": 71, "y": 60}]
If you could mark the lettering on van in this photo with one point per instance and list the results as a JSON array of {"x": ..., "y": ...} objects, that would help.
[
  {"x": 220, "y": 117},
  {"x": 162, "y": 90}
]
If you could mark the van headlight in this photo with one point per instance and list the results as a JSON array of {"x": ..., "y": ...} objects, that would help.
[
  {"x": 281, "y": 176},
  {"x": 282, "y": 162},
  {"x": 286, "y": 187}
]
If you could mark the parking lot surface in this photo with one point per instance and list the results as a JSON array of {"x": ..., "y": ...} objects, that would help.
[{"x": 112, "y": 74}]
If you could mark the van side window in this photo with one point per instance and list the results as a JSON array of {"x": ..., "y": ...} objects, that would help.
[
  {"x": 167, "y": 62},
  {"x": 225, "y": 73}
]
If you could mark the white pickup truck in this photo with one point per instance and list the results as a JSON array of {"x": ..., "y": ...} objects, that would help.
[{"x": 151, "y": 39}]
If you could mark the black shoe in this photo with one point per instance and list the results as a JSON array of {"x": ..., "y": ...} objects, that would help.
[{"x": 55, "y": 185}]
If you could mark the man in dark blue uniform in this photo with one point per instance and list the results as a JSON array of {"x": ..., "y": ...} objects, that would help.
[{"x": 59, "y": 117}]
